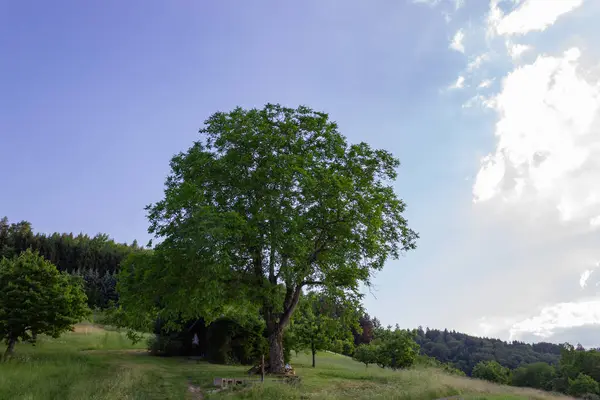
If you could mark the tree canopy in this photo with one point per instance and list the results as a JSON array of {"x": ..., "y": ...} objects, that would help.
[
  {"x": 266, "y": 203},
  {"x": 35, "y": 298}
]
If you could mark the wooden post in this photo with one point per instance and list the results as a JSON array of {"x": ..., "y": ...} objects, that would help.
[{"x": 262, "y": 368}]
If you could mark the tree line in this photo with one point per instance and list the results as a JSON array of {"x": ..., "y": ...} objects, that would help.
[
  {"x": 321, "y": 323},
  {"x": 466, "y": 351},
  {"x": 95, "y": 259},
  {"x": 577, "y": 373}
]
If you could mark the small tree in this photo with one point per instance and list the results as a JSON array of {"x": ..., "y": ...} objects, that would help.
[
  {"x": 395, "y": 348},
  {"x": 324, "y": 322},
  {"x": 35, "y": 298},
  {"x": 491, "y": 371},
  {"x": 366, "y": 354}
]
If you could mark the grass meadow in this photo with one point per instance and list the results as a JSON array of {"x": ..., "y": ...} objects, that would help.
[{"x": 98, "y": 363}]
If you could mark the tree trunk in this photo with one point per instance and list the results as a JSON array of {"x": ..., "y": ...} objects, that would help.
[
  {"x": 10, "y": 350},
  {"x": 314, "y": 351},
  {"x": 276, "y": 362},
  {"x": 276, "y": 326}
]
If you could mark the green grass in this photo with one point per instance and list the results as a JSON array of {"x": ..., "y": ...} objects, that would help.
[{"x": 94, "y": 363}]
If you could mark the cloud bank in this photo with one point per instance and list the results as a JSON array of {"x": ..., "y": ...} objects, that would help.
[{"x": 532, "y": 74}]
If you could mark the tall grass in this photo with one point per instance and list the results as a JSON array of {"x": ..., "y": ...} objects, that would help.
[{"x": 93, "y": 363}]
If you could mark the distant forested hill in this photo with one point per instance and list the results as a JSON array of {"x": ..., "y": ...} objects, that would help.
[{"x": 464, "y": 351}]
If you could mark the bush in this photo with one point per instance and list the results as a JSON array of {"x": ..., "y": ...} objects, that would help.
[
  {"x": 491, "y": 371},
  {"x": 162, "y": 345},
  {"x": 583, "y": 385},
  {"x": 448, "y": 368},
  {"x": 230, "y": 343},
  {"x": 537, "y": 375},
  {"x": 222, "y": 342},
  {"x": 395, "y": 349}
]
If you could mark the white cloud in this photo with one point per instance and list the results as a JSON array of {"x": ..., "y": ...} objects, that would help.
[
  {"x": 516, "y": 50},
  {"x": 562, "y": 315},
  {"x": 480, "y": 100},
  {"x": 585, "y": 275},
  {"x": 457, "y": 4},
  {"x": 457, "y": 41},
  {"x": 486, "y": 83},
  {"x": 431, "y": 3},
  {"x": 548, "y": 139},
  {"x": 477, "y": 61},
  {"x": 494, "y": 17},
  {"x": 538, "y": 190},
  {"x": 531, "y": 15},
  {"x": 459, "y": 84}
]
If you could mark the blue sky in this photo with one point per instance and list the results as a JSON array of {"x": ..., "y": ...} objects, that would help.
[{"x": 98, "y": 96}]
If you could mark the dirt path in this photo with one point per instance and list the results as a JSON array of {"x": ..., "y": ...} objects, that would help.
[{"x": 195, "y": 391}]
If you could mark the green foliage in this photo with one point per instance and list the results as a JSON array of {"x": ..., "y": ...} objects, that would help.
[
  {"x": 432, "y": 362},
  {"x": 491, "y": 371},
  {"x": 366, "y": 354},
  {"x": 574, "y": 361},
  {"x": 95, "y": 259},
  {"x": 266, "y": 203},
  {"x": 163, "y": 345},
  {"x": 60, "y": 370},
  {"x": 324, "y": 322},
  {"x": 231, "y": 343},
  {"x": 465, "y": 351},
  {"x": 35, "y": 299},
  {"x": 67, "y": 251},
  {"x": 583, "y": 384},
  {"x": 395, "y": 348},
  {"x": 101, "y": 290},
  {"x": 537, "y": 375}
]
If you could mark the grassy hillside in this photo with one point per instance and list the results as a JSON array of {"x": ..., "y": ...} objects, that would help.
[{"x": 93, "y": 363}]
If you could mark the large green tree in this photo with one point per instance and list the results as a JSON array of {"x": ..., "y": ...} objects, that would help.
[
  {"x": 266, "y": 203},
  {"x": 35, "y": 298}
]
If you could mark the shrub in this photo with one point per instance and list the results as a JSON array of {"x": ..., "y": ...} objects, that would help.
[
  {"x": 163, "y": 345},
  {"x": 395, "y": 349},
  {"x": 583, "y": 385},
  {"x": 491, "y": 371},
  {"x": 537, "y": 375}
]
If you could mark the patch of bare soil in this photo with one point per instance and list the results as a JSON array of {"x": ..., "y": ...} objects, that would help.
[{"x": 195, "y": 392}]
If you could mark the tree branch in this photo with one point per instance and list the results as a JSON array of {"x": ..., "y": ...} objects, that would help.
[
  {"x": 311, "y": 283},
  {"x": 285, "y": 317}
]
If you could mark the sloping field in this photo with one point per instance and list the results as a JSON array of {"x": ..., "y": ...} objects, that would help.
[{"x": 94, "y": 363}]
